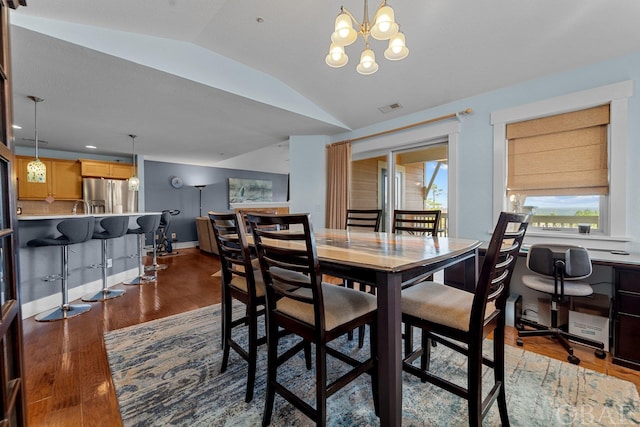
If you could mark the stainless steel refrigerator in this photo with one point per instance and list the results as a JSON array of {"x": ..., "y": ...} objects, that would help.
[{"x": 109, "y": 196}]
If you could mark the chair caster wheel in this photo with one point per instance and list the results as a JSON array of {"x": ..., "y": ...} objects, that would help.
[
  {"x": 600, "y": 354},
  {"x": 519, "y": 327},
  {"x": 519, "y": 342},
  {"x": 573, "y": 359}
]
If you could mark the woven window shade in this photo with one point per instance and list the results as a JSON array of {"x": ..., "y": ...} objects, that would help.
[{"x": 559, "y": 155}]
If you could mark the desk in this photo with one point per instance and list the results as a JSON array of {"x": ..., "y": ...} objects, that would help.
[
  {"x": 625, "y": 314},
  {"x": 386, "y": 261}
]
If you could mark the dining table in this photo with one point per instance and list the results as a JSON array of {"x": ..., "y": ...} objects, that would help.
[{"x": 387, "y": 261}]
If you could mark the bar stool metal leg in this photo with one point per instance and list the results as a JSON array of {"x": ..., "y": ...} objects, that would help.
[
  {"x": 66, "y": 310},
  {"x": 105, "y": 293},
  {"x": 142, "y": 278},
  {"x": 155, "y": 266}
]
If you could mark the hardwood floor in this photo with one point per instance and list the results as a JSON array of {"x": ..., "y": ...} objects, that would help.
[{"x": 68, "y": 382}]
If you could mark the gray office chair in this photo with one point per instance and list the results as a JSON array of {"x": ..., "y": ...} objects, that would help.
[{"x": 559, "y": 270}]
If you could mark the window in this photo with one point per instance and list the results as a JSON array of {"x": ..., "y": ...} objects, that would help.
[
  {"x": 611, "y": 221},
  {"x": 557, "y": 169}
]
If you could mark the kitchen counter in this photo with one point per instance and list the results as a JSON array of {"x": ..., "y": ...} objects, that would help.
[
  {"x": 62, "y": 216},
  {"x": 37, "y": 263}
]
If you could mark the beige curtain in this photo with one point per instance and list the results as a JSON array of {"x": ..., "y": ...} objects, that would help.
[
  {"x": 559, "y": 155},
  {"x": 338, "y": 183}
]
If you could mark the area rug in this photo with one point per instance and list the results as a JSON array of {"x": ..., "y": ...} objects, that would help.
[{"x": 166, "y": 372}]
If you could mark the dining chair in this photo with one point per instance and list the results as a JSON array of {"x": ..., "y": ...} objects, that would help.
[
  {"x": 316, "y": 312},
  {"x": 240, "y": 283},
  {"x": 462, "y": 320},
  {"x": 416, "y": 222},
  {"x": 363, "y": 218}
]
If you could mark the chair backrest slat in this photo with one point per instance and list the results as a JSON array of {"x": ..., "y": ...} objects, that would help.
[
  {"x": 288, "y": 258},
  {"x": 364, "y": 218},
  {"x": 497, "y": 268},
  {"x": 416, "y": 222},
  {"x": 233, "y": 248}
]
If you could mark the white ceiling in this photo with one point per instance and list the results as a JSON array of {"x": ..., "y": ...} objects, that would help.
[{"x": 202, "y": 82}]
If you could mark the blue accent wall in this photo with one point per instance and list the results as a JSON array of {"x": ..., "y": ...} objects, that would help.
[{"x": 160, "y": 195}]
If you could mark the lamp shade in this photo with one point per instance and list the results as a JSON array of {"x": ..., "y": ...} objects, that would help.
[
  {"x": 134, "y": 183},
  {"x": 397, "y": 49},
  {"x": 344, "y": 34},
  {"x": 384, "y": 26},
  {"x": 336, "y": 57},
  {"x": 36, "y": 171},
  {"x": 367, "y": 63}
]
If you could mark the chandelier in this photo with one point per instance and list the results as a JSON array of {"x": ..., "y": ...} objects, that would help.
[
  {"x": 384, "y": 27},
  {"x": 36, "y": 170},
  {"x": 134, "y": 181}
]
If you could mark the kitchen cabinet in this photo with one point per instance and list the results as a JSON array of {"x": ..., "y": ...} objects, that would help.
[
  {"x": 100, "y": 169},
  {"x": 626, "y": 333},
  {"x": 64, "y": 181}
]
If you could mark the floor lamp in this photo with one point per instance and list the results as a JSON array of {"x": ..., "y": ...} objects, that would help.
[{"x": 200, "y": 187}]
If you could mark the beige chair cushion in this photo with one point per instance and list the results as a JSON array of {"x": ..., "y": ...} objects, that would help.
[
  {"x": 440, "y": 304},
  {"x": 240, "y": 283},
  {"x": 341, "y": 305}
]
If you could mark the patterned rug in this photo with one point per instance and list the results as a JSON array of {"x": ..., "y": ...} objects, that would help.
[{"x": 166, "y": 372}]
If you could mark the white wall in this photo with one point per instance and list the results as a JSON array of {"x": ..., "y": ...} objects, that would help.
[
  {"x": 475, "y": 150},
  {"x": 308, "y": 182}
]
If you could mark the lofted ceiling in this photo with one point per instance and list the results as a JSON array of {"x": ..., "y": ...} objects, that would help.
[{"x": 203, "y": 82}]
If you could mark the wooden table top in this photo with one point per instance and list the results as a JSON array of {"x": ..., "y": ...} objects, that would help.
[{"x": 386, "y": 251}]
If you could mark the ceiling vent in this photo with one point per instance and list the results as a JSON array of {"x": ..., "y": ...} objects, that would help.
[{"x": 385, "y": 109}]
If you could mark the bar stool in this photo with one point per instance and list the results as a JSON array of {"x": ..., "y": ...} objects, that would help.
[
  {"x": 164, "y": 217},
  {"x": 147, "y": 224},
  {"x": 72, "y": 230},
  {"x": 114, "y": 227}
]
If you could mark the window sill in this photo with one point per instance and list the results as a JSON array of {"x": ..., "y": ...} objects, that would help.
[{"x": 590, "y": 241}]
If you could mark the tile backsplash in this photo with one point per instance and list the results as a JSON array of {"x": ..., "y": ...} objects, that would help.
[{"x": 59, "y": 207}]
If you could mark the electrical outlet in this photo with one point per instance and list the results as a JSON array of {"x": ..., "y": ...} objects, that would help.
[
  {"x": 109, "y": 263},
  {"x": 173, "y": 235}
]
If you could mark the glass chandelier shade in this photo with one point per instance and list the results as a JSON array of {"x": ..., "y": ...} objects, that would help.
[
  {"x": 397, "y": 49},
  {"x": 336, "y": 57},
  {"x": 384, "y": 27},
  {"x": 367, "y": 63},
  {"x": 344, "y": 34},
  {"x": 36, "y": 170},
  {"x": 134, "y": 181}
]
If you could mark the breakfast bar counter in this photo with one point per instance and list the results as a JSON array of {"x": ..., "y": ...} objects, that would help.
[{"x": 38, "y": 263}]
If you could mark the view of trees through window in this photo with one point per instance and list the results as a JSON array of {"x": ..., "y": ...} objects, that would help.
[
  {"x": 562, "y": 212},
  {"x": 436, "y": 197}
]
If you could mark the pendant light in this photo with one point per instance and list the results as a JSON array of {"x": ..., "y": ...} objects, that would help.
[
  {"x": 383, "y": 27},
  {"x": 134, "y": 181},
  {"x": 36, "y": 170}
]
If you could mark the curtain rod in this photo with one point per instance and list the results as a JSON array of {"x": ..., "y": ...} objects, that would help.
[{"x": 401, "y": 128}]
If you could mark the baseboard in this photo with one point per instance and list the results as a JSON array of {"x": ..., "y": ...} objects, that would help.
[{"x": 32, "y": 308}]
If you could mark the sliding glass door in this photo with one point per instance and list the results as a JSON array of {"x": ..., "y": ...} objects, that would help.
[{"x": 420, "y": 181}]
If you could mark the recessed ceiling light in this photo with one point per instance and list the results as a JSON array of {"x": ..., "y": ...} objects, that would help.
[
  {"x": 93, "y": 147},
  {"x": 259, "y": 19},
  {"x": 17, "y": 126}
]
